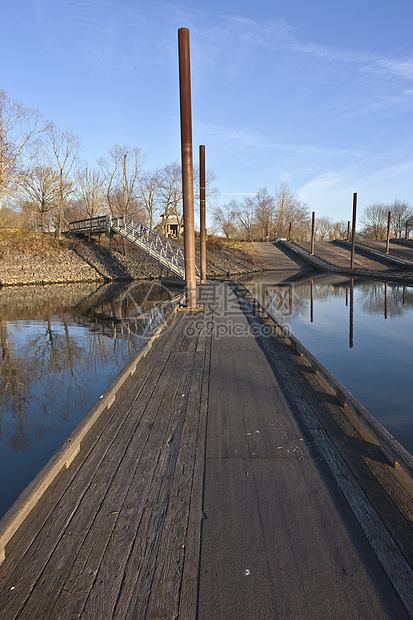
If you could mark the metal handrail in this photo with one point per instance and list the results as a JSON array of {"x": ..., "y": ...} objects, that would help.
[{"x": 166, "y": 252}]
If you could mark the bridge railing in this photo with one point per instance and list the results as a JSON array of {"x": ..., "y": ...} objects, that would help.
[
  {"x": 164, "y": 250},
  {"x": 89, "y": 224}
]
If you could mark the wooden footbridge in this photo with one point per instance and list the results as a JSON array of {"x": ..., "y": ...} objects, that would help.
[
  {"x": 168, "y": 253},
  {"x": 225, "y": 474}
]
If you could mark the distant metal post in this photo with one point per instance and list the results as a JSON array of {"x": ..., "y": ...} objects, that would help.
[
  {"x": 353, "y": 231},
  {"x": 407, "y": 229},
  {"x": 312, "y": 233},
  {"x": 388, "y": 233},
  {"x": 187, "y": 165},
  {"x": 348, "y": 230},
  {"x": 202, "y": 211},
  {"x": 290, "y": 236}
]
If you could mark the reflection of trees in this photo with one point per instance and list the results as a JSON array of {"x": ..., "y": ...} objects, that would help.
[
  {"x": 294, "y": 301},
  {"x": 46, "y": 368},
  {"x": 46, "y": 377},
  {"x": 392, "y": 300}
]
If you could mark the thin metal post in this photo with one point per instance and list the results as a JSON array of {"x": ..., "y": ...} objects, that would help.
[
  {"x": 290, "y": 236},
  {"x": 407, "y": 229},
  {"x": 202, "y": 211},
  {"x": 312, "y": 233},
  {"x": 348, "y": 230},
  {"x": 187, "y": 165},
  {"x": 353, "y": 231},
  {"x": 388, "y": 233}
]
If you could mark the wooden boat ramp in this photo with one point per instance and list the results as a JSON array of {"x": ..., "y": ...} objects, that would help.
[{"x": 225, "y": 474}]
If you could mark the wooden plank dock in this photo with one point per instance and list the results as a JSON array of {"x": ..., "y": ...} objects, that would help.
[{"x": 225, "y": 480}]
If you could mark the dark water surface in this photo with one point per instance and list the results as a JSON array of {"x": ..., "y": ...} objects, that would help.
[
  {"x": 61, "y": 346},
  {"x": 362, "y": 331}
]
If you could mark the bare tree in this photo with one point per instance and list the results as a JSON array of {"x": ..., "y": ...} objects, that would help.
[
  {"x": 374, "y": 221},
  {"x": 401, "y": 212},
  {"x": 39, "y": 189},
  {"x": 225, "y": 217},
  {"x": 62, "y": 153},
  {"x": 20, "y": 130},
  {"x": 264, "y": 212},
  {"x": 91, "y": 191},
  {"x": 121, "y": 169},
  {"x": 324, "y": 228},
  {"x": 246, "y": 215},
  {"x": 149, "y": 186}
]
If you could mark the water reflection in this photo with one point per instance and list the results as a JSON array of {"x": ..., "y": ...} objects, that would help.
[
  {"x": 361, "y": 330},
  {"x": 61, "y": 346}
]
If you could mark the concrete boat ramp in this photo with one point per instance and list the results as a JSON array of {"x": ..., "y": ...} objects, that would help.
[{"x": 224, "y": 475}]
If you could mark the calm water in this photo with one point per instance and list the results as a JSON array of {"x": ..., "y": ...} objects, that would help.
[
  {"x": 362, "y": 332},
  {"x": 61, "y": 346}
]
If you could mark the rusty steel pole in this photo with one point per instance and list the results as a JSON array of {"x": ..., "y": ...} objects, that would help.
[
  {"x": 312, "y": 233},
  {"x": 348, "y": 230},
  {"x": 290, "y": 236},
  {"x": 187, "y": 165},
  {"x": 388, "y": 233},
  {"x": 202, "y": 211},
  {"x": 353, "y": 231}
]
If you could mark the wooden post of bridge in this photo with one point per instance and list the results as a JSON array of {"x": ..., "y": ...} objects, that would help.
[
  {"x": 202, "y": 211},
  {"x": 187, "y": 165},
  {"x": 353, "y": 231},
  {"x": 388, "y": 233}
]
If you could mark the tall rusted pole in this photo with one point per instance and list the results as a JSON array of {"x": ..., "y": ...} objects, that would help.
[
  {"x": 202, "y": 211},
  {"x": 388, "y": 233},
  {"x": 353, "y": 231},
  {"x": 348, "y": 230},
  {"x": 312, "y": 233},
  {"x": 187, "y": 165}
]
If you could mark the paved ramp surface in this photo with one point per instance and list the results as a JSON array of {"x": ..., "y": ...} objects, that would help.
[{"x": 275, "y": 257}]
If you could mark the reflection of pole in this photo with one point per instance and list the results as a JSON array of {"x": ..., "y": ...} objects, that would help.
[
  {"x": 351, "y": 313},
  {"x": 385, "y": 300},
  {"x": 353, "y": 232},
  {"x": 202, "y": 210},
  {"x": 388, "y": 233},
  {"x": 348, "y": 230},
  {"x": 187, "y": 165},
  {"x": 290, "y": 236},
  {"x": 404, "y": 295},
  {"x": 312, "y": 233},
  {"x": 312, "y": 302},
  {"x": 346, "y": 296}
]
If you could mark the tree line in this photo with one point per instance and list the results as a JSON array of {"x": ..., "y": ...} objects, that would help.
[{"x": 44, "y": 184}]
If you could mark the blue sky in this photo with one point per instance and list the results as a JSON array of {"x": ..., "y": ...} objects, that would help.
[{"x": 315, "y": 94}]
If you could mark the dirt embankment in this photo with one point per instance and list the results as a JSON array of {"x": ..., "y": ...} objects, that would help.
[{"x": 39, "y": 259}]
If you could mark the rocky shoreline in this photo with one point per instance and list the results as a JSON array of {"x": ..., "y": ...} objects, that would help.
[{"x": 82, "y": 261}]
